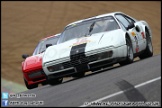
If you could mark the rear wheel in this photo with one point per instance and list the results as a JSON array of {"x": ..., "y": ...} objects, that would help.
[
  {"x": 55, "y": 81},
  {"x": 130, "y": 55},
  {"x": 30, "y": 86},
  {"x": 149, "y": 48}
]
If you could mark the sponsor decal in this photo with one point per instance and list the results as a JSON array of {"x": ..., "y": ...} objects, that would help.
[
  {"x": 133, "y": 33},
  {"x": 143, "y": 35},
  {"x": 137, "y": 46},
  {"x": 80, "y": 41}
]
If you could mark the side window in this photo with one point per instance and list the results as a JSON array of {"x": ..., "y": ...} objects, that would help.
[
  {"x": 122, "y": 26},
  {"x": 130, "y": 20},
  {"x": 122, "y": 20},
  {"x": 36, "y": 50}
]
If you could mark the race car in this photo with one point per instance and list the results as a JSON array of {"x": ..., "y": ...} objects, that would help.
[
  {"x": 32, "y": 66},
  {"x": 96, "y": 42}
]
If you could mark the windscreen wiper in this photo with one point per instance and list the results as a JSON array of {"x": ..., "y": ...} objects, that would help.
[{"x": 90, "y": 29}]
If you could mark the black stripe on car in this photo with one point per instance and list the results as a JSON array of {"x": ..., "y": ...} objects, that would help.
[
  {"x": 77, "y": 52},
  {"x": 78, "y": 57}
]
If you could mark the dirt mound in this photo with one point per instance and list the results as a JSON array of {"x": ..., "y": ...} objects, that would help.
[{"x": 25, "y": 23}]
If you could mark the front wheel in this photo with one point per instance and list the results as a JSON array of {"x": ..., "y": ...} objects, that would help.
[
  {"x": 44, "y": 83},
  {"x": 55, "y": 81},
  {"x": 79, "y": 75},
  {"x": 148, "y": 52},
  {"x": 130, "y": 55},
  {"x": 30, "y": 86}
]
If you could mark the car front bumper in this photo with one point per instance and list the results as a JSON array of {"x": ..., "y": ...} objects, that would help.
[
  {"x": 34, "y": 77},
  {"x": 92, "y": 60}
]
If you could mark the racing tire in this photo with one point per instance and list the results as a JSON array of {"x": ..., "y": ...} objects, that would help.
[
  {"x": 148, "y": 52},
  {"x": 30, "y": 86},
  {"x": 79, "y": 75},
  {"x": 44, "y": 83},
  {"x": 55, "y": 81},
  {"x": 130, "y": 55}
]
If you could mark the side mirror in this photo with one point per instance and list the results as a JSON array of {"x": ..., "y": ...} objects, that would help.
[
  {"x": 47, "y": 45},
  {"x": 130, "y": 26},
  {"x": 24, "y": 56}
]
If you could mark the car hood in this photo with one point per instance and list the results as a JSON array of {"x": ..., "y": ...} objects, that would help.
[
  {"x": 95, "y": 41},
  {"x": 32, "y": 63}
]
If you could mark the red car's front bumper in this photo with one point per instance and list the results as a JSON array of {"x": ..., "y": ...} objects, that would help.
[{"x": 34, "y": 77}]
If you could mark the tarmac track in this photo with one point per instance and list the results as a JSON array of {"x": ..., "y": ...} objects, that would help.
[{"x": 137, "y": 82}]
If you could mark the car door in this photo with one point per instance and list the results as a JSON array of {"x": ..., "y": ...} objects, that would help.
[
  {"x": 135, "y": 35},
  {"x": 138, "y": 28}
]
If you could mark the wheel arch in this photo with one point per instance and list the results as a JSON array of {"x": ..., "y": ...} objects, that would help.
[
  {"x": 127, "y": 36},
  {"x": 147, "y": 30}
]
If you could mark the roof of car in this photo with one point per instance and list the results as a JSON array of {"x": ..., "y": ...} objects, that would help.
[
  {"x": 56, "y": 35},
  {"x": 98, "y": 16}
]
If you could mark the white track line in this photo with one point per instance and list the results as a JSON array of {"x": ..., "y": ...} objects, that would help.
[{"x": 120, "y": 92}]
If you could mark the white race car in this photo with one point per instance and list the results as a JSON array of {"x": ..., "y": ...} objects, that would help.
[{"x": 96, "y": 42}]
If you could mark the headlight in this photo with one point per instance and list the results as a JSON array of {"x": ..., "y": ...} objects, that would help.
[
  {"x": 55, "y": 67},
  {"x": 51, "y": 53}
]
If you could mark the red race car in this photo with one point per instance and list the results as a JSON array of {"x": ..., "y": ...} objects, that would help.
[{"x": 32, "y": 65}]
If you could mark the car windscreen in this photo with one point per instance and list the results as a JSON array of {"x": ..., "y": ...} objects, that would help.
[
  {"x": 41, "y": 47},
  {"x": 89, "y": 27}
]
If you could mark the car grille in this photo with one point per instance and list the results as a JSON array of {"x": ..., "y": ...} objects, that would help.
[{"x": 80, "y": 58}]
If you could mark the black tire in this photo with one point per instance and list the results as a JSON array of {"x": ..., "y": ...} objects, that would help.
[
  {"x": 55, "y": 81},
  {"x": 100, "y": 68},
  {"x": 79, "y": 75},
  {"x": 95, "y": 69},
  {"x": 44, "y": 83},
  {"x": 30, "y": 86},
  {"x": 149, "y": 48},
  {"x": 130, "y": 55}
]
